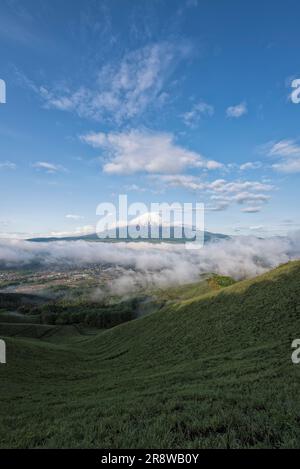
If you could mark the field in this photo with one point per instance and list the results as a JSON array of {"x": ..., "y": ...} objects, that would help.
[{"x": 211, "y": 367}]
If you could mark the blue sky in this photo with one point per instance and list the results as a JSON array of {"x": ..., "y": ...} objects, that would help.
[{"x": 163, "y": 100}]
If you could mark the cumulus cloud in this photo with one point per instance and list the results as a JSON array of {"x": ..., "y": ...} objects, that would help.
[
  {"x": 247, "y": 197},
  {"x": 160, "y": 264},
  {"x": 237, "y": 111},
  {"x": 218, "y": 185},
  {"x": 145, "y": 151},
  {"x": 223, "y": 192},
  {"x": 221, "y": 185},
  {"x": 288, "y": 154}
]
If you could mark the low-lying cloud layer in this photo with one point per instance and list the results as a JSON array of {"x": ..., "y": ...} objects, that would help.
[{"x": 145, "y": 264}]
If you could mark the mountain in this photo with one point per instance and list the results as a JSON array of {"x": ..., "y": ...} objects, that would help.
[
  {"x": 149, "y": 227},
  {"x": 212, "y": 370}
]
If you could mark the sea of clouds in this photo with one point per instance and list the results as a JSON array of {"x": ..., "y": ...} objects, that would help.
[{"x": 164, "y": 264}]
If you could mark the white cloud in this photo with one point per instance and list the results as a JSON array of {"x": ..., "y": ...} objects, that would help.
[
  {"x": 79, "y": 231},
  {"x": 48, "y": 167},
  {"x": 222, "y": 192},
  {"x": 237, "y": 111},
  {"x": 221, "y": 185},
  {"x": 7, "y": 165},
  {"x": 245, "y": 192},
  {"x": 161, "y": 264},
  {"x": 288, "y": 153},
  {"x": 144, "y": 151},
  {"x": 248, "y": 197},
  {"x": 139, "y": 188},
  {"x": 251, "y": 165},
  {"x": 192, "y": 117},
  {"x": 72, "y": 216},
  {"x": 219, "y": 207},
  {"x": 251, "y": 209},
  {"x": 291, "y": 166},
  {"x": 180, "y": 180},
  {"x": 288, "y": 148},
  {"x": 217, "y": 186},
  {"x": 126, "y": 89}
]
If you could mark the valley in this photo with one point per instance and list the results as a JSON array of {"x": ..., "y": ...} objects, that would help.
[{"x": 210, "y": 367}]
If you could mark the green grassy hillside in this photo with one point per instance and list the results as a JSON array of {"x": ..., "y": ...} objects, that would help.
[
  {"x": 209, "y": 283},
  {"x": 211, "y": 371}
]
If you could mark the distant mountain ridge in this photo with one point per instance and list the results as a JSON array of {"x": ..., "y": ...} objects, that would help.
[
  {"x": 208, "y": 237},
  {"x": 148, "y": 227}
]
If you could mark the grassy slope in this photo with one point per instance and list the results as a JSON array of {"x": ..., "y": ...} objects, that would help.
[
  {"x": 211, "y": 283},
  {"x": 214, "y": 371}
]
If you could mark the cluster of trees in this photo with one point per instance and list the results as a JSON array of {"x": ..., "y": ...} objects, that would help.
[
  {"x": 221, "y": 281},
  {"x": 89, "y": 314}
]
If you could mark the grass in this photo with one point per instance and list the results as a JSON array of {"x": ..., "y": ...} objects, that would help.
[
  {"x": 208, "y": 284},
  {"x": 210, "y": 370}
]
